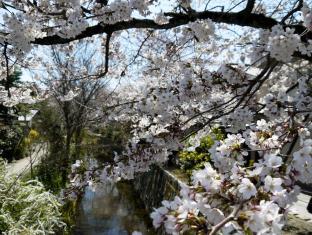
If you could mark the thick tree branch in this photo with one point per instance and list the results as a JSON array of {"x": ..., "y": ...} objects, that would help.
[
  {"x": 7, "y": 82},
  {"x": 108, "y": 37},
  {"x": 243, "y": 18},
  {"x": 249, "y": 7},
  {"x": 240, "y": 18}
]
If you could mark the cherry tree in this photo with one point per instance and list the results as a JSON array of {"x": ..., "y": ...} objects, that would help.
[
  {"x": 73, "y": 78},
  {"x": 244, "y": 65}
]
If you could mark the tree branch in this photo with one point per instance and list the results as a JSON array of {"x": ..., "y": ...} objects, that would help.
[
  {"x": 232, "y": 216},
  {"x": 298, "y": 8},
  {"x": 177, "y": 19},
  {"x": 108, "y": 37},
  {"x": 7, "y": 82},
  {"x": 243, "y": 18},
  {"x": 137, "y": 54},
  {"x": 249, "y": 7}
]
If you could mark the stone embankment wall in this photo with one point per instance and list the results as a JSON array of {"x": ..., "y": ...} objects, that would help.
[{"x": 155, "y": 186}]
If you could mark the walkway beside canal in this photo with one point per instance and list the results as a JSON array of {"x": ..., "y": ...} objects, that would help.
[
  {"x": 299, "y": 209},
  {"x": 22, "y": 166}
]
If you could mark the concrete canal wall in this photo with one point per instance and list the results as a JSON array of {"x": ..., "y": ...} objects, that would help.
[{"x": 155, "y": 186}]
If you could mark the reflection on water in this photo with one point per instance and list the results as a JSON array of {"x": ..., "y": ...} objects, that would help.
[{"x": 112, "y": 210}]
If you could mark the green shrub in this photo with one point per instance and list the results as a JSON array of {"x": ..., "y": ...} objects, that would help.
[
  {"x": 194, "y": 160},
  {"x": 52, "y": 172},
  {"x": 26, "y": 207},
  {"x": 113, "y": 138},
  {"x": 11, "y": 142}
]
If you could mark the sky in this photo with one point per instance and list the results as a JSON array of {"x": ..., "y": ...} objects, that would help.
[{"x": 162, "y": 6}]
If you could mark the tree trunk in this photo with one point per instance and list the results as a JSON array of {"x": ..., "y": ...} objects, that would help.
[
  {"x": 67, "y": 144},
  {"x": 78, "y": 141}
]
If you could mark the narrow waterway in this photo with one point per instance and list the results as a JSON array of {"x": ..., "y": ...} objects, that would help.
[{"x": 112, "y": 210}]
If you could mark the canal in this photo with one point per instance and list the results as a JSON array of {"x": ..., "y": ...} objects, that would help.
[{"x": 112, "y": 209}]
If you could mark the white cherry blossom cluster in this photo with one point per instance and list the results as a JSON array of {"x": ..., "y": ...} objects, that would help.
[
  {"x": 161, "y": 19},
  {"x": 69, "y": 96},
  {"x": 282, "y": 43},
  {"x": 116, "y": 11},
  {"x": 233, "y": 75},
  {"x": 302, "y": 97},
  {"x": 262, "y": 192},
  {"x": 214, "y": 199},
  {"x": 16, "y": 95},
  {"x": 142, "y": 6},
  {"x": 229, "y": 152},
  {"x": 261, "y": 136},
  {"x": 202, "y": 30},
  {"x": 238, "y": 120},
  {"x": 25, "y": 21},
  {"x": 305, "y": 48},
  {"x": 266, "y": 219},
  {"x": 302, "y": 162},
  {"x": 307, "y": 16},
  {"x": 21, "y": 31}
]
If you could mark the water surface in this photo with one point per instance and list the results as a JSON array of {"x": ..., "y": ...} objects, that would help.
[{"x": 112, "y": 210}]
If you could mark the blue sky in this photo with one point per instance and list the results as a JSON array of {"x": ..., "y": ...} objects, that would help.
[{"x": 162, "y": 6}]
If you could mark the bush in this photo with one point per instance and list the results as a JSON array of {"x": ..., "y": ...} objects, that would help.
[
  {"x": 10, "y": 142},
  {"x": 26, "y": 207},
  {"x": 194, "y": 160},
  {"x": 113, "y": 139},
  {"x": 52, "y": 173}
]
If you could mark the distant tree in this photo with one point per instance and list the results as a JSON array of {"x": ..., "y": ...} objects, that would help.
[
  {"x": 13, "y": 80},
  {"x": 74, "y": 81}
]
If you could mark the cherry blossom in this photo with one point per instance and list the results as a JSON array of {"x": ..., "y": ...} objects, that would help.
[
  {"x": 247, "y": 189},
  {"x": 273, "y": 184},
  {"x": 191, "y": 71}
]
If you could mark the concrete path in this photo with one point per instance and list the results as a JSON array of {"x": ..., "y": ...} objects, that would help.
[
  {"x": 22, "y": 166},
  {"x": 299, "y": 209}
]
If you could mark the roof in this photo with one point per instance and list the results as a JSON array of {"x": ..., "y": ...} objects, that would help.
[{"x": 29, "y": 116}]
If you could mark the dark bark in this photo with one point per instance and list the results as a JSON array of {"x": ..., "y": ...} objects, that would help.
[
  {"x": 249, "y": 7},
  {"x": 68, "y": 141},
  {"x": 242, "y": 18},
  {"x": 309, "y": 207},
  {"x": 177, "y": 19}
]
